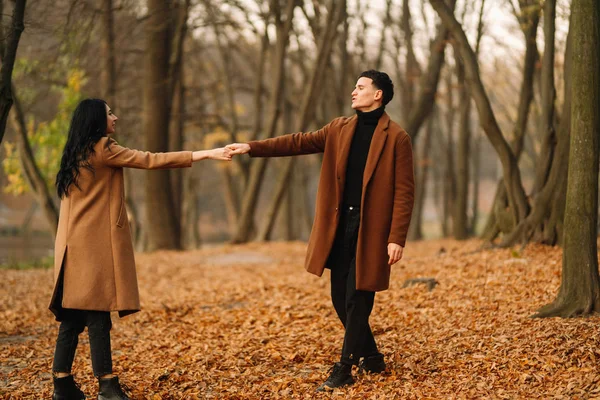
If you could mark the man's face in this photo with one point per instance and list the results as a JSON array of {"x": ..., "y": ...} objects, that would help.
[{"x": 365, "y": 96}]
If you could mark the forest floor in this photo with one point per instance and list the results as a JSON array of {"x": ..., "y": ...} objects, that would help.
[{"x": 247, "y": 322}]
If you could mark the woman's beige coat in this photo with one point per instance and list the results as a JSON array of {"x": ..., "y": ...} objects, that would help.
[
  {"x": 387, "y": 195},
  {"x": 93, "y": 254}
]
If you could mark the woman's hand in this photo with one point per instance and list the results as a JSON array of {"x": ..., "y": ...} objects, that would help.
[{"x": 221, "y": 153}]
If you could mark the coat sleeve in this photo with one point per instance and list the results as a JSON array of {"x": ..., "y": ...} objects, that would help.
[
  {"x": 116, "y": 156},
  {"x": 293, "y": 144},
  {"x": 404, "y": 192}
]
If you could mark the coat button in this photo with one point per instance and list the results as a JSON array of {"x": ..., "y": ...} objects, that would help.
[{"x": 336, "y": 209}]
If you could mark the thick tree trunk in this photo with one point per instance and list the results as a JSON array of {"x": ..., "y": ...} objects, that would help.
[
  {"x": 162, "y": 226},
  {"x": 579, "y": 292},
  {"x": 9, "y": 42}
]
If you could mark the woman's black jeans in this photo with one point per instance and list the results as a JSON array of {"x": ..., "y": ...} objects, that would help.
[{"x": 73, "y": 322}]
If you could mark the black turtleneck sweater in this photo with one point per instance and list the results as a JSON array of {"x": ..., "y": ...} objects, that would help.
[{"x": 359, "y": 150}]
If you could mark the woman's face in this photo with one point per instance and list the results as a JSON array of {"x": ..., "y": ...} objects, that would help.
[{"x": 111, "y": 120}]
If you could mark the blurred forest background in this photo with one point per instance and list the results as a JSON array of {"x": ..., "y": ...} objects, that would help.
[{"x": 483, "y": 95}]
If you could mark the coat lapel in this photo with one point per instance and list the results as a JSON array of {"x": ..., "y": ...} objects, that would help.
[
  {"x": 379, "y": 137},
  {"x": 346, "y": 136}
]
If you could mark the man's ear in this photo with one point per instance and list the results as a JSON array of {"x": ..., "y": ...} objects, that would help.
[{"x": 378, "y": 94}]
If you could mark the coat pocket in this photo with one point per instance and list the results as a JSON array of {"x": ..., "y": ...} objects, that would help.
[{"x": 122, "y": 214}]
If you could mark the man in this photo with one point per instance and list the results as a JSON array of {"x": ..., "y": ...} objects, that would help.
[{"x": 367, "y": 187}]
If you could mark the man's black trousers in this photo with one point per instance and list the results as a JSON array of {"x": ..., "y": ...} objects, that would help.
[{"x": 352, "y": 306}]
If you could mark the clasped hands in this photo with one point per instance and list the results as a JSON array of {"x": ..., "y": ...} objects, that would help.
[{"x": 221, "y": 153}]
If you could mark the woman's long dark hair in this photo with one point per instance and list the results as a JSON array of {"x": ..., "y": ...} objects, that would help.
[{"x": 88, "y": 125}]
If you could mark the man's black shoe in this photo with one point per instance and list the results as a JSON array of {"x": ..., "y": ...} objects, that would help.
[
  {"x": 340, "y": 376},
  {"x": 372, "y": 364}
]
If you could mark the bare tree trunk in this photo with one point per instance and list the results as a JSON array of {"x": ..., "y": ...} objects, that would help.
[
  {"x": 579, "y": 292},
  {"x": 547, "y": 130},
  {"x": 415, "y": 231},
  {"x": 556, "y": 183},
  {"x": 227, "y": 79},
  {"x": 176, "y": 140},
  {"x": 258, "y": 89},
  {"x": 430, "y": 79},
  {"x": 529, "y": 19},
  {"x": 476, "y": 171},
  {"x": 341, "y": 95},
  {"x": 109, "y": 69},
  {"x": 460, "y": 220},
  {"x": 9, "y": 42},
  {"x": 449, "y": 185},
  {"x": 460, "y": 223},
  {"x": 333, "y": 20},
  {"x": 512, "y": 177},
  {"x": 32, "y": 173},
  {"x": 245, "y": 221},
  {"x": 162, "y": 225},
  {"x": 191, "y": 235},
  {"x": 387, "y": 21},
  {"x": 413, "y": 70},
  {"x": 179, "y": 14}
]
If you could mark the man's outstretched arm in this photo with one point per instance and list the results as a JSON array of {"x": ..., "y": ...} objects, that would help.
[{"x": 287, "y": 145}]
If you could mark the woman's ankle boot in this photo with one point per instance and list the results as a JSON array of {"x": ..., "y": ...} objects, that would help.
[
  {"x": 111, "y": 390},
  {"x": 66, "y": 389}
]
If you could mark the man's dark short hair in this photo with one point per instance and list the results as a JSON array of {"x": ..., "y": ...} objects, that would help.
[{"x": 382, "y": 81}]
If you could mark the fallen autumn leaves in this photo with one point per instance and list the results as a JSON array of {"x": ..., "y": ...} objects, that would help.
[{"x": 247, "y": 322}]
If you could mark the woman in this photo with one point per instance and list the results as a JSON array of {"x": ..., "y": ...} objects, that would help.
[{"x": 94, "y": 268}]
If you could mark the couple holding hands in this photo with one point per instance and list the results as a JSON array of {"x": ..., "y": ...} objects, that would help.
[{"x": 366, "y": 185}]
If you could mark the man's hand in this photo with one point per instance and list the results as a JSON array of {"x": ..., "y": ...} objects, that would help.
[
  {"x": 238, "y": 148},
  {"x": 395, "y": 253}
]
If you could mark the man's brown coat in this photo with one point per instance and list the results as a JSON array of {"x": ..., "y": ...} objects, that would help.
[{"x": 387, "y": 196}]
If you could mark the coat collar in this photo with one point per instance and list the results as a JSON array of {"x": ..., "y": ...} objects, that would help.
[{"x": 377, "y": 143}]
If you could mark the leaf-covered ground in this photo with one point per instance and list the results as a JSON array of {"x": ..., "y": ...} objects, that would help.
[{"x": 247, "y": 322}]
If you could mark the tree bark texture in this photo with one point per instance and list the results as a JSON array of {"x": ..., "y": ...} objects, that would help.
[
  {"x": 579, "y": 292},
  {"x": 162, "y": 226}
]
